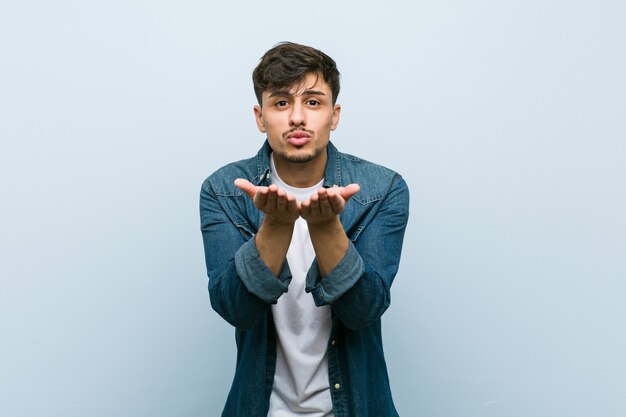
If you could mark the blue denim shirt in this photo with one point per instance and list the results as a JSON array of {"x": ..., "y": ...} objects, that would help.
[{"x": 242, "y": 288}]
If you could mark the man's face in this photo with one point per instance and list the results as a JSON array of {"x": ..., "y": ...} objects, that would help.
[{"x": 298, "y": 121}]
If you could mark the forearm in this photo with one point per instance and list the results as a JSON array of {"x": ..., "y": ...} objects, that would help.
[
  {"x": 241, "y": 287},
  {"x": 232, "y": 300},
  {"x": 272, "y": 242},
  {"x": 358, "y": 291},
  {"x": 280, "y": 213},
  {"x": 330, "y": 244},
  {"x": 365, "y": 301},
  {"x": 358, "y": 287}
]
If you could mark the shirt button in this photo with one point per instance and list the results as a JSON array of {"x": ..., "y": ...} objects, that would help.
[
  {"x": 337, "y": 386},
  {"x": 332, "y": 342}
]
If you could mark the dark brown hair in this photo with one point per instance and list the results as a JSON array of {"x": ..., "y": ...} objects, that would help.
[{"x": 288, "y": 63}]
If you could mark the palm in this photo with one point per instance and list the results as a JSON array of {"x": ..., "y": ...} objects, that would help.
[
  {"x": 277, "y": 204},
  {"x": 327, "y": 203}
]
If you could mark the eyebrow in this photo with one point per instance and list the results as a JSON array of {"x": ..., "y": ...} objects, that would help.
[{"x": 285, "y": 93}]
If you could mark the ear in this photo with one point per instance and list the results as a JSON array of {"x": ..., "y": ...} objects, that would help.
[
  {"x": 335, "y": 120},
  {"x": 258, "y": 115}
]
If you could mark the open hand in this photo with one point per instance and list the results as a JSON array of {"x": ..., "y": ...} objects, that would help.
[
  {"x": 327, "y": 203},
  {"x": 278, "y": 205}
]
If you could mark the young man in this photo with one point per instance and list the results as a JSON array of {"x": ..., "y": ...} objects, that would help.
[{"x": 302, "y": 243}]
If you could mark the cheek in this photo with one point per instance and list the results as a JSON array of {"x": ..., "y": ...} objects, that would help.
[
  {"x": 274, "y": 127},
  {"x": 273, "y": 121}
]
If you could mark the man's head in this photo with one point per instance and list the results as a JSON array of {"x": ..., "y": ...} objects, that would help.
[
  {"x": 288, "y": 64},
  {"x": 297, "y": 88}
]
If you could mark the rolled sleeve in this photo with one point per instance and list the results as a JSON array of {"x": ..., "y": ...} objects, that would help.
[
  {"x": 344, "y": 276},
  {"x": 256, "y": 276}
]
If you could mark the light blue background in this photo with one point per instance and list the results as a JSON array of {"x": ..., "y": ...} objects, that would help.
[{"x": 507, "y": 119}]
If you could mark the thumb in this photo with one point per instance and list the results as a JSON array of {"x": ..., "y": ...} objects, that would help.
[
  {"x": 350, "y": 190},
  {"x": 246, "y": 186}
]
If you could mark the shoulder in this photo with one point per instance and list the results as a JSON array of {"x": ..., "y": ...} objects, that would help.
[
  {"x": 221, "y": 182},
  {"x": 355, "y": 165},
  {"x": 376, "y": 181}
]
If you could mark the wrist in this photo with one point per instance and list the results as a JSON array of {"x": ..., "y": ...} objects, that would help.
[
  {"x": 275, "y": 223},
  {"x": 328, "y": 224}
]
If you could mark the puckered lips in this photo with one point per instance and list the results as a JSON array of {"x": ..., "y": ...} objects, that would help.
[{"x": 298, "y": 138}]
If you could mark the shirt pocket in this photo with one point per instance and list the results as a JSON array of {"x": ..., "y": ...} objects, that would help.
[
  {"x": 360, "y": 215},
  {"x": 247, "y": 232}
]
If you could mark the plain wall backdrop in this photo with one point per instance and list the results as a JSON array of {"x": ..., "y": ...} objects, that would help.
[{"x": 506, "y": 118}]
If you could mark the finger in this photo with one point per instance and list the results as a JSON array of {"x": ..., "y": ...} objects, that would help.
[
  {"x": 314, "y": 203},
  {"x": 292, "y": 203},
  {"x": 324, "y": 201},
  {"x": 281, "y": 200},
  {"x": 305, "y": 208},
  {"x": 260, "y": 198},
  {"x": 350, "y": 190},
  {"x": 336, "y": 202},
  {"x": 246, "y": 186},
  {"x": 272, "y": 196}
]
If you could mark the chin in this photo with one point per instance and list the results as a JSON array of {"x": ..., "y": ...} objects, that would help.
[{"x": 299, "y": 157}]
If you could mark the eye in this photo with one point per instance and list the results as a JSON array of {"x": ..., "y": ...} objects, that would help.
[
  {"x": 313, "y": 103},
  {"x": 281, "y": 103}
]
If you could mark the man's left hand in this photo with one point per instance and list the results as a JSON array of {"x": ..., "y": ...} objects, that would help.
[{"x": 327, "y": 203}]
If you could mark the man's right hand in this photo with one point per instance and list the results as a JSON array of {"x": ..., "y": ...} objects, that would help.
[
  {"x": 281, "y": 212},
  {"x": 278, "y": 205}
]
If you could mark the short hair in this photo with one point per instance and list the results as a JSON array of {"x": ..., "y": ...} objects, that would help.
[{"x": 288, "y": 63}]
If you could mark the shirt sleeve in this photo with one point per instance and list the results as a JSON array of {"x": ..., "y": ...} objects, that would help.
[
  {"x": 358, "y": 288},
  {"x": 241, "y": 287}
]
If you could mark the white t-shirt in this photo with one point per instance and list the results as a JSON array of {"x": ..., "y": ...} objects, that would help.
[{"x": 301, "y": 386}]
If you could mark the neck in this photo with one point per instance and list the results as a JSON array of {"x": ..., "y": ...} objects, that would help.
[{"x": 301, "y": 174}]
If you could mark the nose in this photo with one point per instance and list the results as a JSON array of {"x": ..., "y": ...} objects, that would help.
[{"x": 297, "y": 116}]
